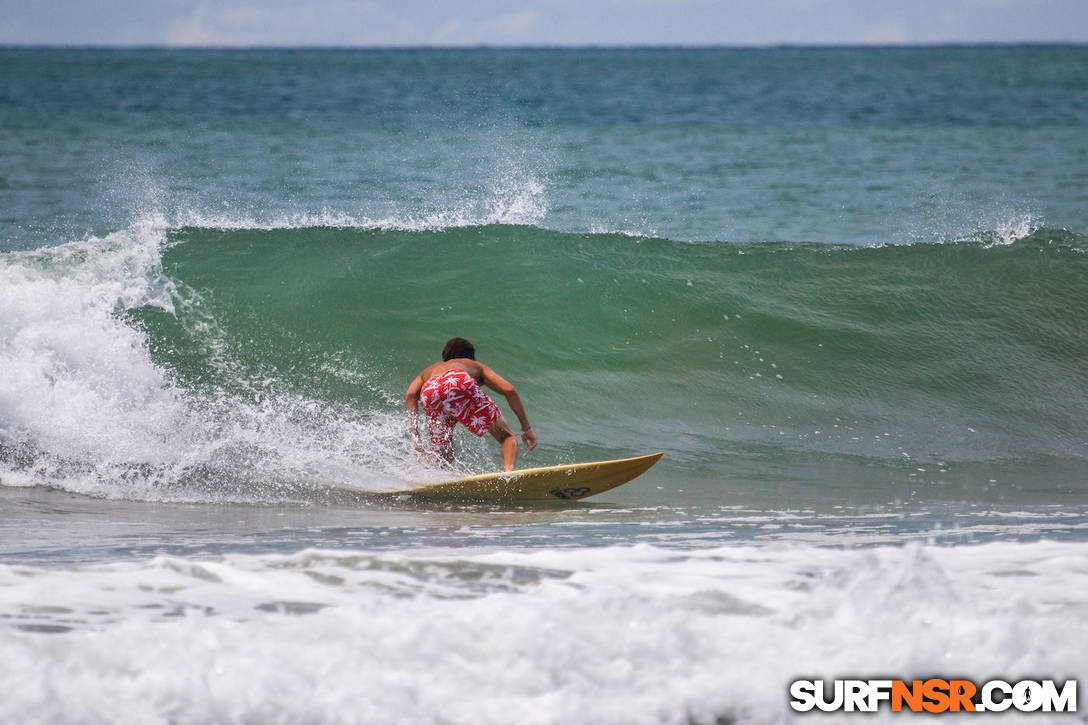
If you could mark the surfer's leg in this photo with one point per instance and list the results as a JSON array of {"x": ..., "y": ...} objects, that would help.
[{"x": 509, "y": 442}]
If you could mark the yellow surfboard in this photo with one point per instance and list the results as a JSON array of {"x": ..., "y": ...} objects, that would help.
[{"x": 550, "y": 483}]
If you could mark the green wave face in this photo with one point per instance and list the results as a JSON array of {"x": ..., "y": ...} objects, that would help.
[{"x": 961, "y": 352}]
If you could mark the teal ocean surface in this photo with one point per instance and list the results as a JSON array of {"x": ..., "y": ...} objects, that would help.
[{"x": 843, "y": 290}]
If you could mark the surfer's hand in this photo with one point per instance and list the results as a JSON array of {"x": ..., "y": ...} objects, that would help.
[{"x": 530, "y": 438}]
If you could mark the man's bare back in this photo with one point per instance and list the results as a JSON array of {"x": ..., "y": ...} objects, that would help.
[{"x": 473, "y": 368}]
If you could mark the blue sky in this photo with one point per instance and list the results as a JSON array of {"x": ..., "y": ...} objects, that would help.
[{"x": 538, "y": 22}]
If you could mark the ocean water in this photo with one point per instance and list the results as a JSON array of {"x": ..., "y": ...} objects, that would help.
[{"x": 843, "y": 290}]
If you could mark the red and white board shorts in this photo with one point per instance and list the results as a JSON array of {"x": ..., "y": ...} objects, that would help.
[{"x": 455, "y": 397}]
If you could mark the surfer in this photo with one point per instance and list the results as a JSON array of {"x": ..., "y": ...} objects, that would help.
[{"x": 449, "y": 392}]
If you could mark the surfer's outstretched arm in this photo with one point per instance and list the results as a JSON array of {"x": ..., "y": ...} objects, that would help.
[{"x": 496, "y": 382}]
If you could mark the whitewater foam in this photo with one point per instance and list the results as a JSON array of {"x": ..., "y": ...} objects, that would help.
[
  {"x": 85, "y": 407},
  {"x": 611, "y": 635},
  {"x": 70, "y": 361}
]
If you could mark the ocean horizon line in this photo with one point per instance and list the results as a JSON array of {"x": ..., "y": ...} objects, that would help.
[{"x": 545, "y": 47}]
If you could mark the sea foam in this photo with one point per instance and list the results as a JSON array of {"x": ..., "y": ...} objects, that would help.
[
  {"x": 84, "y": 405},
  {"x": 610, "y": 635}
]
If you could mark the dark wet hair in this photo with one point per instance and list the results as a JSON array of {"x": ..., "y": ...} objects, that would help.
[{"x": 458, "y": 347}]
